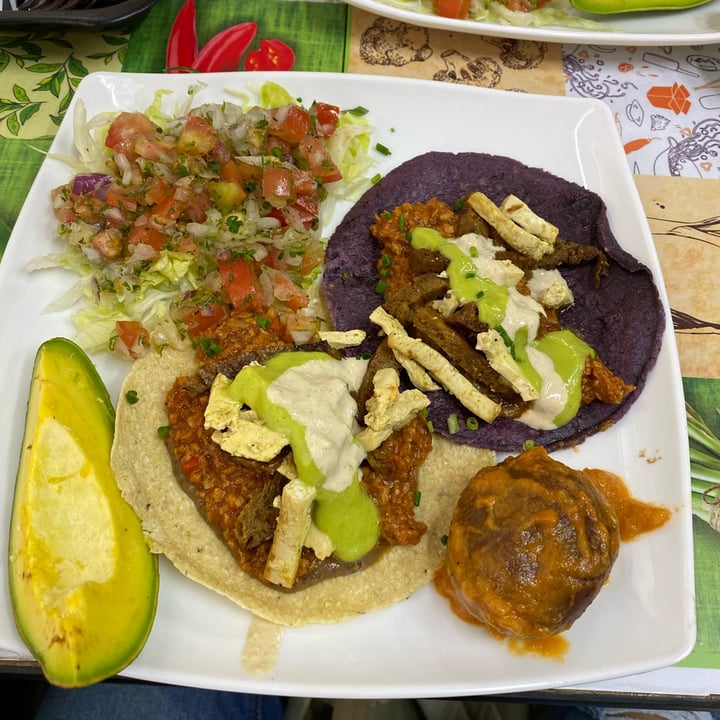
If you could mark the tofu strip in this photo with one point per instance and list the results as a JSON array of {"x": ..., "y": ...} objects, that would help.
[
  {"x": 292, "y": 527},
  {"x": 515, "y": 236},
  {"x": 504, "y": 364},
  {"x": 437, "y": 365},
  {"x": 520, "y": 212}
]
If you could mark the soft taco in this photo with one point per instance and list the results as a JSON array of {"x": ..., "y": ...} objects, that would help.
[
  {"x": 616, "y": 308},
  {"x": 176, "y": 523}
]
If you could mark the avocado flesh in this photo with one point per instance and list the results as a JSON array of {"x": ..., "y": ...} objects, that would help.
[{"x": 83, "y": 582}]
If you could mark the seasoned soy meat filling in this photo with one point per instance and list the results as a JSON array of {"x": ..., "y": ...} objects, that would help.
[
  {"x": 411, "y": 282},
  {"x": 235, "y": 495}
]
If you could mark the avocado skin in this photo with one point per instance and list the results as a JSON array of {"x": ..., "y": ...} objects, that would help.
[{"x": 82, "y": 625}]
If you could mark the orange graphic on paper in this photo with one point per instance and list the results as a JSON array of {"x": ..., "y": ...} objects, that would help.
[
  {"x": 673, "y": 98},
  {"x": 634, "y": 145}
]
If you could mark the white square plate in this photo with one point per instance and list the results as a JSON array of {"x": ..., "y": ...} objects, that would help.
[{"x": 642, "y": 620}]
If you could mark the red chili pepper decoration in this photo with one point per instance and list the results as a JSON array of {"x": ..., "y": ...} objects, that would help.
[
  {"x": 222, "y": 52},
  {"x": 182, "y": 47},
  {"x": 272, "y": 55}
]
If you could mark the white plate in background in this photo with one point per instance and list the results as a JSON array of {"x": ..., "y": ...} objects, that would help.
[{"x": 692, "y": 26}]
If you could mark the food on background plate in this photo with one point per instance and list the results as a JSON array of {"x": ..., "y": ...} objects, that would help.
[
  {"x": 83, "y": 582},
  {"x": 607, "y": 7},
  {"x": 581, "y": 14},
  {"x": 389, "y": 255}
]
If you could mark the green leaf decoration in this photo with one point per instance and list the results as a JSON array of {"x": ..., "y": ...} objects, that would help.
[
  {"x": 76, "y": 67},
  {"x": 44, "y": 67},
  {"x": 28, "y": 111},
  {"x": 20, "y": 94},
  {"x": 13, "y": 124}
]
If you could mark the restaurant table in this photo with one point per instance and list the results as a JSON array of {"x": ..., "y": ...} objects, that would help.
[{"x": 666, "y": 105}]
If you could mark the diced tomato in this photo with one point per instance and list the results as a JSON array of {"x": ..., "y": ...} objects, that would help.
[
  {"x": 307, "y": 208},
  {"x": 456, "y": 9},
  {"x": 230, "y": 172},
  {"x": 241, "y": 172},
  {"x": 147, "y": 234},
  {"x": 169, "y": 208},
  {"x": 319, "y": 161},
  {"x": 121, "y": 197},
  {"x": 299, "y": 327},
  {"x": 278, "y": 214},
  {"x": 326, "y": 118},
  {"x": 198, "y": 137},
  {"x": 62, "y": 203},
  {"x": 312, "y": 257},
  {"x": 135, "y": 135},
  {"x": 108, "y": 243},
  {"x": 273, "y": 322},
  {"x": 198, "y": 206},
  {"x": 303, "y": 182},
  {"x": 189, "y": 464},
  {"x": 155, "y": 150},
  {"x": 202, "y": 315},
  {"x": 290, "y": 123},
  {"x": 288, "y": 292},
  {"x": 155, "y": 190},
  {"x": 278, "y": 148},
  {"x": 277, "y": 186},
  {"x": 132, "y": 338},
  {"x": 126, "y": 125},
  {"x": 241, "y": 282}
]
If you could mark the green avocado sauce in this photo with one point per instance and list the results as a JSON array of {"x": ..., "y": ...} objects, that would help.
[
  {"x": 490, "y": 297},
  {"x": 568, "y": 354},
  {"x": 566, "y": 351},
  {"x": 349, "y": 517}
]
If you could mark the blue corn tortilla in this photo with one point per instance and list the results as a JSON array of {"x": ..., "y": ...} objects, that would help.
[{"x": 623, "y": 319}]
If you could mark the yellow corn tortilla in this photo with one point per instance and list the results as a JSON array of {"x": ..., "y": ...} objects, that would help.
[{"x": 173, "y": 526}]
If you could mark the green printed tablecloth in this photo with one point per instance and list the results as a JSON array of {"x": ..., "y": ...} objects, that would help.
[{"x": 40, "y": 70}]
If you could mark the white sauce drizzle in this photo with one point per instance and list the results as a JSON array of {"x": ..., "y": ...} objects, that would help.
[
  {"x": 330, "y": 424},
  {"x": 553, "y": 394}
]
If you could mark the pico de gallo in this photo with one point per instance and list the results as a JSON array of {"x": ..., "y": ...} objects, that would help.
[{"x": 196, "y": 216}]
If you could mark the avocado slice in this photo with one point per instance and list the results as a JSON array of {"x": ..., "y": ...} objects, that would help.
[{"x": 83, "y": 582}]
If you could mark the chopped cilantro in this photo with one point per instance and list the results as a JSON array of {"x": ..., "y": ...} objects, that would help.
[{"x": 209, "y": 346}]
